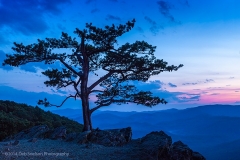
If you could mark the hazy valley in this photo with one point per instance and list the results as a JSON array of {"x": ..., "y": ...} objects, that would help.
[{"x": 212, "y": 130}]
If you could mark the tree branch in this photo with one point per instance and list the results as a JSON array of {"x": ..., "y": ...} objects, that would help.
[
  {"x": 80, "y": 60},
  {"x": 100, "y": 50},
  {"x": 99, "y": 106},
  {"x": 65, "y": 85},
  {"x": 99, "y": 81},
  {"x": 47, "y": 104},
  {"x": 68, "y": 67},
  {"x": 75, "y": 87}
]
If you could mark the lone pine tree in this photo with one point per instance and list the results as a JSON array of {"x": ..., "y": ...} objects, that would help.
[{"x": 96, "y": 51}]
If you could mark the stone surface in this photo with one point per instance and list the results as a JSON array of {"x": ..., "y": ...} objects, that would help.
[
  {"x": 111, "y": 137},
  {"x": 58, "y": 133},
  {"x": 158, "y": 145},
  {"x": 155, "y": 145},
  {"x": 34, "y": 132},
  {"x": 181, "y": 151}
]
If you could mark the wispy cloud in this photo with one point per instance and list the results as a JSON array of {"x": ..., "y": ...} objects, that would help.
[
  {"x": 157, "y": 88},
  {"x": 199, "y": 82},
  {"x": 208, "y": 80},
  {"x": 188, "y": 97},
  {"x": 112, "y": 18},
  {"x": 149, "y": 86},
  {"x": 154, "y": 27},
  {"x": 164, "y": 8},
  {"x": 215, "y": 88},
  {"x": 189, "y": 84},
  {"x": 172, "y": 85}
]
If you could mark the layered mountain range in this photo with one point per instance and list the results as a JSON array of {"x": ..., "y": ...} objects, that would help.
[{"x": 213, "y": 130}]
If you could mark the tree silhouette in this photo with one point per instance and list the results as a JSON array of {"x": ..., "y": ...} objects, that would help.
[{"x": 96, "y": 51}]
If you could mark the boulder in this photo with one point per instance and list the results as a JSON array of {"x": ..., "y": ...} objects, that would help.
[
  {"x": 111, "y": 137},
  {"x": 58, "y": 133},
  {"x": 181, "y": 151},
  {"x": 155, "y": 145},
  {"x": 40, "y": 131},
  {"x": 158, "y": 145},
  {"x": 34, "y": 132}
]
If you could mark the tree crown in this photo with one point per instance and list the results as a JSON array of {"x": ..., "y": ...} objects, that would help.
[{"x": 96, "y": 51}]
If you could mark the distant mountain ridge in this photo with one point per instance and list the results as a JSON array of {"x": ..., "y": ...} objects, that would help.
[{"x": 203, "y": 128}]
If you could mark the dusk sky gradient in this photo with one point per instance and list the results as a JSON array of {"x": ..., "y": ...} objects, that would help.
[{"x": 204, "y": 36}]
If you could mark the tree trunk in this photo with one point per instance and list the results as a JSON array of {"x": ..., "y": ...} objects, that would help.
[
  {"x": 87, "y": 124},
  {"x": 85, "y": 100}
]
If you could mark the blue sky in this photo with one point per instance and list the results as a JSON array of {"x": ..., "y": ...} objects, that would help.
[{"x": 202, "y": 35}]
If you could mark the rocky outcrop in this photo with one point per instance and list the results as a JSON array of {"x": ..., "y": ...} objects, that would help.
[
  {"x": 111, "y": 137},
  {"x": 155, "y": 145},
  {"x": 181, "y": 151},
  {"x": 34, "y": 132},
  {"x": 158, "y": 145},
  {"x": 40, "y": 132},
  {"x": 58, "y": 133},
  {"x": 80, "y": 138}
]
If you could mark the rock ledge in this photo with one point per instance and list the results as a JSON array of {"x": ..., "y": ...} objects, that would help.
[{"x": 155, "y": 145}]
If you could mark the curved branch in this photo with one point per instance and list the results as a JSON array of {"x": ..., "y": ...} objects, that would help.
[
  {"x": 47, "y": 104},
  {"x": 101, "y": 105},
  {"x": 76, "y": 89}
]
